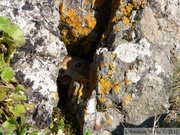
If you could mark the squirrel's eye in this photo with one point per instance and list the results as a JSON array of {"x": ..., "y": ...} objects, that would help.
[{"x": 78, "y": 64}]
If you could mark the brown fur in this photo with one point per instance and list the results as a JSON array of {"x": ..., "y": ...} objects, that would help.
[
  {"x": 70, "y": 68},
  {"x": 68, "y": 64}
]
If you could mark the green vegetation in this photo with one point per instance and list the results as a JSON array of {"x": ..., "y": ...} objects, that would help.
[
  {"x": 87, "y": 132},
  {"x": 64, "y": 123},
  {"x": 13, "y": 101}
]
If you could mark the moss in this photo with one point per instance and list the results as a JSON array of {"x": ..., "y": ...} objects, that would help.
[{"x": 64, "y": 119}]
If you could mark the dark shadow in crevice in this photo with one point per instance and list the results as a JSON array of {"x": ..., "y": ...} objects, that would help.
[{"x": 62, "y": 94}]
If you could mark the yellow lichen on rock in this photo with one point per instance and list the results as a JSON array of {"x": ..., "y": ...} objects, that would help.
[
  {"x": 110, "y": 74},
  {"x": 109, "y": 121},
  {"x": 76, "y": 27},
  {"x": 116, "y": 88},
  {"x": 126, "y": 99},
  {"x": 117, "y": 29},
  {"x": 90, "y": 20},
  {"x": 126, "y": 21},
  {"x": 105, "y": 86},
  {"x": 111, "y": 68},
  {"x": 126, "y": 82},
  {"x": 127, "y": 9}
]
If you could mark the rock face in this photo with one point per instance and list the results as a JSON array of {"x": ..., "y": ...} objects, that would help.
[
  {"x": 132, "y": 45},
  {"x": 131, "y": 73},
  {"x": 36, "y": 62}
]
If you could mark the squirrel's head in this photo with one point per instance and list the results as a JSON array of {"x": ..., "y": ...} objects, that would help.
[{"x": 72, "y": 67}]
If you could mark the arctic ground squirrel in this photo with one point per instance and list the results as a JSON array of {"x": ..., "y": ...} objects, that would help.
[{"x": 70, "y": 68}]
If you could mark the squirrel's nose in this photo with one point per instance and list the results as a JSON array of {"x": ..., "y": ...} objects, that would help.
[{"x": 61, "y": 71}]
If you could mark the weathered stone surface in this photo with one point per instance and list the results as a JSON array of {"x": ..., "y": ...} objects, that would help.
[
  {"x": 132, "y": 68},
  {"x": 131, "y": 74},
  {"x": 36, "y": 62}
]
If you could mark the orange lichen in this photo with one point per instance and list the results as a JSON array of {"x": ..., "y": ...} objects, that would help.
[
  {"x": 105, "y": 86},
  {"x": 117, "y": 29},
  {"x": 108, "y": 104},
  {"x": 62, "y": 8},
  {"x": 116, "y": 89},
  {"x": 126, "y": 99},
  {"x": 118, "y": 70},
  {"x": 112, "y": 55},
  {"x": 120, "y": 2},
  {"x": 143, "y": 4},
  {"x": 126, "y": 82},
  {"x": 90, "y": 20},
  {"x": 110, "y": 74},
  {"x": 126, "y": 21},
  {"x": 116, "y": 19},
  {"x": 109, "y": 120},
  {"x": 126, "y": 10},
  {"x": 70, "y": 13},
  {"x": 102, "y": 99},
  {"x": 111, "y": 66},
  {"x": 76, "y": 26}
]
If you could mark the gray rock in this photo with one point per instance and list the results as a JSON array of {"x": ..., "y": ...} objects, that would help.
[
  {"x": 36, "y": 62},
  {"x": 134, "y": 76},
  {"x": 131, "y": 73}
]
